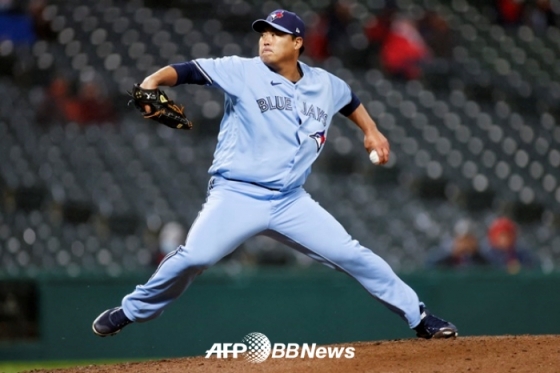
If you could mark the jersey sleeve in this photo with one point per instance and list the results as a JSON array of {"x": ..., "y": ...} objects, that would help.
[
  {"x": 226, "y": 73},
  {"x": 341, "y": 92}
]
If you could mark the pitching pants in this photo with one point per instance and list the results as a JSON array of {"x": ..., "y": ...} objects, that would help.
[{"x": 235, "y": 211}]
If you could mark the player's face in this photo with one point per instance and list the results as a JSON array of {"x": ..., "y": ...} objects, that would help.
[{"x": 276, "y": 47}]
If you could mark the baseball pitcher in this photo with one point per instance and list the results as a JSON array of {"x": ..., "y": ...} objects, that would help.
[{"x": 277, "y": 114}]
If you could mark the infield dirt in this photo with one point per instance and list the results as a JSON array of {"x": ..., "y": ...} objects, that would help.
[{"x": 526, "y": 353}]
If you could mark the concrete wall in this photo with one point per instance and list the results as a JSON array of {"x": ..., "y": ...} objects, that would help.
[{"x": 313, "y": 306}]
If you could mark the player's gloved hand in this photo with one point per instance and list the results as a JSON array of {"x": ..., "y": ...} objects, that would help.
[{"x": 154, "y": 104}]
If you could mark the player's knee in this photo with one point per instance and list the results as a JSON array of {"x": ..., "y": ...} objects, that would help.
[
  {"x": 202, "y": 262},
  {"x": 354, "y": 258},
  {"x": 195, "y": 257}
]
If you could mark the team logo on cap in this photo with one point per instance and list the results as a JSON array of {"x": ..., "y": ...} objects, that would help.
[{"x": 275, "y": 15}]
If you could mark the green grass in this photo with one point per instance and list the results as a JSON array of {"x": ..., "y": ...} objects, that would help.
[{"x": 21, "y": 366}]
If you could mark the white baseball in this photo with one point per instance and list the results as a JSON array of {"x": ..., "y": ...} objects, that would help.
[{"x": 374, "y": 157}]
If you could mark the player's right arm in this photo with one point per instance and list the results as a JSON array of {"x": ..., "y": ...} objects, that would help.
[
  {"x": 373, "y": 138},
  {"x": 350, "y": 106}
]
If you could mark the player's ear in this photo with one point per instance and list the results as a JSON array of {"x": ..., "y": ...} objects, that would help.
[{"x": 298, "y": 42}]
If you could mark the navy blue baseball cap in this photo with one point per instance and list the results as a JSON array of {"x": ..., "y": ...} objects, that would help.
[{"x": 282, "y": 20}]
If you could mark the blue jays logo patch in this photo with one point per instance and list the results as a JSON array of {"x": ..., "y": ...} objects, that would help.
[
  {"x": 274, "y": 16},
  {"x": 319, "y": 138}
]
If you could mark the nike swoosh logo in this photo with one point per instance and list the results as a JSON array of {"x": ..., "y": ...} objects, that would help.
[{"x": 275, "y": 83}]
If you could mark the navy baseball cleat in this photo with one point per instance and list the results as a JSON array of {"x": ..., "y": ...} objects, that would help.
[
  {"x": 110, "y": 322},
  {"x": 433, "y": 327}
]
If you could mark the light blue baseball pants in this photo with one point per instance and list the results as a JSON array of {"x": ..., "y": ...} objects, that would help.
[{"x": 235, "y": 211}]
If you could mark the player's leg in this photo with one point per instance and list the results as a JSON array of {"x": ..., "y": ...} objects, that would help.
[
  {"x": 303, "y": 224},
  {"x": 228, "y": 218}
]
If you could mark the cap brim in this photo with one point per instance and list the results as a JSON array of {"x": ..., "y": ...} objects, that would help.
[{"x": 260, "y": 24}]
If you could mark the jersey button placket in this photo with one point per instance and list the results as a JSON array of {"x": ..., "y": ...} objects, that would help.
[{"x": 296, "y": 105}]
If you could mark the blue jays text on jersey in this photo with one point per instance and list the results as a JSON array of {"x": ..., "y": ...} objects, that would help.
[
  {"x": 285, "y": 103},
  {"x": 274, "y": 103},
  {"x": 266, "y": 131},
  {"x": 315, "y": 112}
]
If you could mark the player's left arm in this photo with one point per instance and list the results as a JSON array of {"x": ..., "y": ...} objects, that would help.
[{"x": 373, "y": 138}]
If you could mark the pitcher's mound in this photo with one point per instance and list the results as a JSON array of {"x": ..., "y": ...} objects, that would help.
[{"x": 527, "y": 353}]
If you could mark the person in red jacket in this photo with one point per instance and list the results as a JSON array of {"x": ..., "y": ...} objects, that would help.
[
  {"x": 503, "y": 248},
  {"x": 404, "y": 50},
  {"x": 510, "y": 12}
]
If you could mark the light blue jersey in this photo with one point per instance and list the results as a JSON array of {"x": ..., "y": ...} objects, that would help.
[{"x": 273, "y": 129}]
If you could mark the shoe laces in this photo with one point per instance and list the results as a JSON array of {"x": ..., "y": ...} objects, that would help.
[
  {"x": 118, "y": 318},
  {"x": 432, "y": 323}
]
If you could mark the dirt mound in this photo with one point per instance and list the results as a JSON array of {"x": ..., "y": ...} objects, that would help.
[{"x": 464, "y": 354}]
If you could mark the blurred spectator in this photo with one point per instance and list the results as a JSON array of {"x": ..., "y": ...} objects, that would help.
[
  {"x": 89, "y": 107},
  {"x": 460, "y": 251},
  {"x": 437, "y": 34},
  {"x": 56, "y": 98},
  {"x": 404, "y": 50},
  {"x": 540, "y": 15},
  {"x": 41, "y": 25},
  {"x": 171, "y": 236},
  {"x": 15, "y": 24},
  {"x": 338, "y": 18},
  {"x": 327, "y": 33},
  {"x": 377, "y": 28},
  {"x": 502, "y": 247},
  {"x": 8, "y": 58},
  {"x": 316, "y": 41},
  {"x": 6, "y": 5},
  {"x": 509, "y": 12}
]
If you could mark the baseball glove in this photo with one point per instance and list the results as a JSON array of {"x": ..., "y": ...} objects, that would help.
[{"x": 162, "y": 109}]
